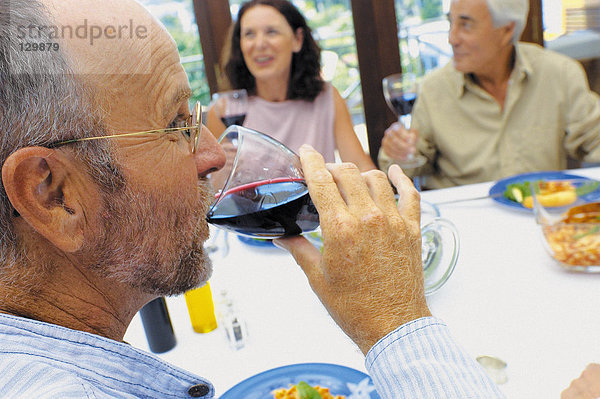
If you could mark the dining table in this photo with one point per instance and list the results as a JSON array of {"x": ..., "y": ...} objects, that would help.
[{"x": 506, "y": 298}]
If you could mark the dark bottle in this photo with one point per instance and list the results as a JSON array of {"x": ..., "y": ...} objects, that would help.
[{"x": 157, "y": 325}]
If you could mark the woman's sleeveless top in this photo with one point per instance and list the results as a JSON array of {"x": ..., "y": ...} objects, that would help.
[{"x": 296, "y": 122}]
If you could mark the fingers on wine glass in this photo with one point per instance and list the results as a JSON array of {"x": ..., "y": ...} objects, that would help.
[
  {"x": 380, "y": 190},
  {"x": 323, "y": 190}
]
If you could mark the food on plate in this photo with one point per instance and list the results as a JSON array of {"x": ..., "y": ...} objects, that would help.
[
  {"x": 560, "y": 198},
  {"x": 304, "y": 391},
  {"x": 552, "y": 193},
  {"x": 575, "y": 240}
]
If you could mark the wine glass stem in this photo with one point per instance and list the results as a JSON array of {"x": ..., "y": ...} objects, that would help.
[
  {"x": 406, "y": 121},
  {"x": 417, "y": 182}
]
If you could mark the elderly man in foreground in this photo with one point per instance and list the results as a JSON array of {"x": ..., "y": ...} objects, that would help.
[
  {"x": 501, "y": 107},
  {"x": 104, "y": 193}
]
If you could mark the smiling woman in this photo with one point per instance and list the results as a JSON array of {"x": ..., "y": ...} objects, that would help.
[{"x": 274, "y": 57}]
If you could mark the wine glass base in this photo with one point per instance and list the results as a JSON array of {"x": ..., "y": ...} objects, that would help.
[{"x": 439, "y": 253}]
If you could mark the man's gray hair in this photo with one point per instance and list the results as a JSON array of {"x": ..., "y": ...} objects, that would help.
[
  {"x": 506, "y": 11},
  {"x": 42, "y": 101}
]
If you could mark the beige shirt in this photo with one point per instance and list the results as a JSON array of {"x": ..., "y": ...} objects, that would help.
[{"x": 467, "y": 137}]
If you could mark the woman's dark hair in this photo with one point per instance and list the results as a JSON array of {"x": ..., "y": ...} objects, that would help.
[{"x": 305, "y": 81}]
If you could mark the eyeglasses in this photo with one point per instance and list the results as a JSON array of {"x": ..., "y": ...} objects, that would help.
[{"x": 191, "y": 130}]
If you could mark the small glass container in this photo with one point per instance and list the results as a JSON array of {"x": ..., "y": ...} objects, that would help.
[
  {"x": 571, "y": 228},
  {"x": 495, "y": 367},
  {"x": 201, "y": 309},
  {"x": 230, "y": 321}
]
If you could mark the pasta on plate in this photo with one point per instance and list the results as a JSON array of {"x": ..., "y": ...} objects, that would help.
[{"x": 293, "y": 393}]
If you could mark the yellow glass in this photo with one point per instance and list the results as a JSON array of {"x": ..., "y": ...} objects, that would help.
[{"x": 201, "y": 309}]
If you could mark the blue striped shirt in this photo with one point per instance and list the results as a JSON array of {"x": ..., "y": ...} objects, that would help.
[
  {"x": 41, "y": 360},
  {"x": 421, "y": 360}
]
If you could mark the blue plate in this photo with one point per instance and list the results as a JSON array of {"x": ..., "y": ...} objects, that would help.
[
  {"x": 340, "y": 380},
  {"x": 497, "y": 190},
  {"x": 256, "y": 242}
]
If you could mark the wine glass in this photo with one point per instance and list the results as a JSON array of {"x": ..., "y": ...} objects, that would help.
[
  {"x": 400, "y": 92},
  {"x": 260, "y": 192},
  {"x": 231, "y": 106},
  {"x": 439, "y": 252},
  {"x": 440, "y": 246}
]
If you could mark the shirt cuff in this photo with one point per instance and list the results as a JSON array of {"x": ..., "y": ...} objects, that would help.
[{"x": 420, "y": 359}]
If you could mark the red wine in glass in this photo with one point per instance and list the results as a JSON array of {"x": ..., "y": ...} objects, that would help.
[
  {"x": 404, "y": 103},
  {"x": 271, "y": 208},
  {"x": 233, "y": 120},
  {"x": 231, "y": 106}
]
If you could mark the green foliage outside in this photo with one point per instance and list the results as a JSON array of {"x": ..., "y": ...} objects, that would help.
[
  {"x": 424, "y": 9},
  {"x": 334, "y": 30},
  {"x": 411, "y": 12},
  {"x": 431, "y": 9},
  {"x": 188, "y": 45}
]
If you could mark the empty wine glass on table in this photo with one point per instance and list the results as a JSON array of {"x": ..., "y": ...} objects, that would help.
[
  {"x": 231, "y": 106},
  {"x": 400, "y": 92}
]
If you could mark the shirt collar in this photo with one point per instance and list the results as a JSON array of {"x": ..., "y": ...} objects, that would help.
[
  {"x": 523, "y": 66},
  {"x": 107, "y": 365}
]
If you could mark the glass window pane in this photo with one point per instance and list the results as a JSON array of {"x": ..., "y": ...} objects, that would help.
[
  {"x": 333, "y": 28},
  {"x": 568, "y": 16},
  {"x": 423, "y": 34},
  {"x": 178, "y": 17},
  {"x": 572, "y": 27}
]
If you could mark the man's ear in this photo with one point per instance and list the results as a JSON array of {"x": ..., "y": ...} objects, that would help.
[
  {"x": 509, "y": 31},
  {"x": 45, "y": 188}
]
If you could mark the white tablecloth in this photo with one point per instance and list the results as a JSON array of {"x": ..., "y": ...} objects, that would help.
[{"x": 506, "y": 298}]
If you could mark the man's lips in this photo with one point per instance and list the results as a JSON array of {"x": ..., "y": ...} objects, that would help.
[{"x": 459, "y": 54}]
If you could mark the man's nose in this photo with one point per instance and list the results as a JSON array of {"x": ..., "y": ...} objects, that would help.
[
  {"x": 210, "y": 156},
  {"x": 452, "y": 36}
]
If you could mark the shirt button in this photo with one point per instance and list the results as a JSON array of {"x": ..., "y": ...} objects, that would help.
[{"x": 198, "y": 390}]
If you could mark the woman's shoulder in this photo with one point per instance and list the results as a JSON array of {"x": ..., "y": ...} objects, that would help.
[{"x": 329, "y": 92}]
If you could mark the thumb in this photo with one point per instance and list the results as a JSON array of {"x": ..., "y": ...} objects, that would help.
[{"x": 305, "y": 254}]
